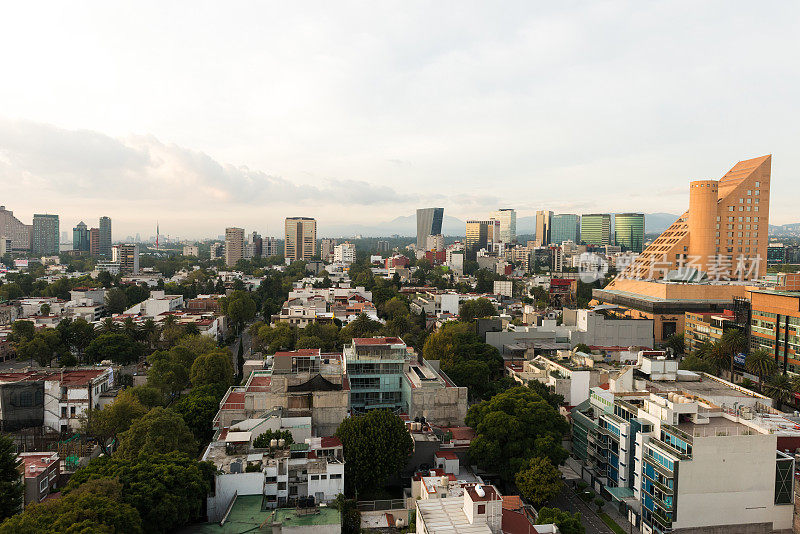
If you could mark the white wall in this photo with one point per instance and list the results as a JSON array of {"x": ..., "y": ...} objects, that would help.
[{"x": 229, "y": 484}]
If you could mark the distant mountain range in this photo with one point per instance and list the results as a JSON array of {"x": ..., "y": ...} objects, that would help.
[{"x": 785, "y": 230}]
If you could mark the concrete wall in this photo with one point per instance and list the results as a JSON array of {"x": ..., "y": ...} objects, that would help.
[
  {"x": 226, "y": 486},
  {"x": 730, "y": 481},
  {"x": 441, "y": 405}
]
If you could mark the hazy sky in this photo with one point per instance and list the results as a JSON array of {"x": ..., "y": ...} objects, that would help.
[{"x": 211, "y": 114}]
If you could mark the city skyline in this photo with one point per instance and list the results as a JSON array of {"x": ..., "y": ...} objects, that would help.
[{"x": 457, "y": 118}]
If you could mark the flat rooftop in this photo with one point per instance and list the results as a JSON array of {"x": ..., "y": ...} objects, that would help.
[{"x": 246, "y": 515}]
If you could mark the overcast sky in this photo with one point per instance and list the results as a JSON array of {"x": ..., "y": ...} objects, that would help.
[{"x": 210, "y": 114}]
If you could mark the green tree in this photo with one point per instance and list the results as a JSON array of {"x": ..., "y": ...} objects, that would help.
[
  {"x": 553, "y": 399},
  {"x": 240, "y": 307},
  {"x": 361, "y": 326},
  {"x": 198, "y": 409},
  {"x": 169, "y": 371},
  {"x": 213, "y": 368},
  {"x": 168, "y": 490},
  {"x": 695, "y": 363},
  {"x": 22, "y": 330},
  {"x": 105, "y": 279},
  {"x": 780, "y": 388},
  {"x": 376, "y": 446},
  {"x": 476, "y": 308},
  {"x": 723, "y": 352},
  {"x": 96, "y": 506},
  {"x": 513, "y": 427},
  {"x": 36, "y": 349},
  {"x": 676, "y": 343},
  {"x": 116, "y": 300},
  {"x": 761, "y": 363},
  {"x": 149, "y": 396},
  {"x": 538, "y": 481},
  {"x": 118, "y": 348},
  {"x": 158, "y": 431},
  {"x": 109, "y": 422},
  {"x": 351, "y": 517},
  {"x": 11, "y": 487},
  {"x": 566, "y": 522}
]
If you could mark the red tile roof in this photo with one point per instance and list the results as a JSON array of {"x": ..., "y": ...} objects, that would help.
[
  {"x": 235, "y": 401},
  {"x": 330, "y": 442},
  {"x": 447, "y": 455},
  {"x": 299, "y": 352}
]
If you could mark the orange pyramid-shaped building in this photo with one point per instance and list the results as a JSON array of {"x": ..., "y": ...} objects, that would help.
[{"x": 723, "y": 234}]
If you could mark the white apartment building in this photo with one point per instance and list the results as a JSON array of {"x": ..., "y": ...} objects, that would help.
[
  {"x": 191, "y": 250},
  {"x": 157, "y": 304},
  {"x": 344, "y": 253}
]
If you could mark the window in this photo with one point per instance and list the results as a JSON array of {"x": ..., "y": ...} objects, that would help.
[
  {"x": 63, "y": 412},
  {"x": 336, "y": 476},
  {"x": 481, "y": 509},
  {"x": 43, "y": 485},
  {"x": 281, "y": 485},
  {"x": 72, "y": 411},
  {"x": 314, "y": 477}
]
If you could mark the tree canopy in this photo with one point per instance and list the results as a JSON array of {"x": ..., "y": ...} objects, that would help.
[
  {"x": 538, "y": 481},
  {"x": 376, "y": 446},
  {"x": 168, "y": 490},
  {"x": 566, "y": 522},
  {"x": 158, "y": 431},
  {"x": 11, "y": 487},
  {"x": 213, "y": 368},
  {"x": 513, "y": 427}
]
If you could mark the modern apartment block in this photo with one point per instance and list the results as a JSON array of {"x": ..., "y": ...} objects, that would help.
[
  {"x": 544, "y": 221},
  {"x": 482, "y": 234},
  {"x": 345, "y": 253},
  {"x": 629, "y": 231},
  {"x": 269, "y": 246},
  {"x": 681, "y": 462},
  {"x": 80, "y": 237},
  {"x": 385, "y": 373},
  {"x": 301, "y": 238},
  {"x": 45, "y": 237},
  {"x": 104, "y": 237},
  {"x": 596, "y": 229},
  {"x": 508, "y": 224},
  {"x": 127, "y": 256},
  {"x": 429, "y": 222},
  {"x": 724, "y": 232},
  {"x": 16, "y": 230},
  {"x": 234, "y": 245},
  {"x": 565, "y": 227}
]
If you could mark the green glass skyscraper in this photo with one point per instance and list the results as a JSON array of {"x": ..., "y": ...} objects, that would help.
[
  {"x": 565, "y": 227},
  {"x": 629, "y": 231},
  {"x": 596, "y": 229}
]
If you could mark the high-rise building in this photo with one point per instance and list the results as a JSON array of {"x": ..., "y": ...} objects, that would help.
[
  {"x": 269, "y": 246},
  {"x": 104, "y": 245},
  {"x": 94, "y": 241},
  {"x": 301, "y": 238},
  {"x": 46, "y": 238},
  {"x": 543, "y": 226},
  {"x": 596, "y": 229},
  {"x": 217, "y": 251},
  {"x": 382, "y": 246},
  {"x": 253, "y": 246},
  {"x": 19, "y": 233},
  {"x": 344, "y": 253},
  {"x": 234, "y": 245},
  {"x": 565, "y": 227},
  {"x": 429, "y": 222},
  {"x": 326, "y": 249},
  {"x": 127, "y": 255},
  {"x": 508, "y": 224},
  {"x": 629, "y": 231},
  {"x": 80, "y": 237},
  {"x": 435, "y": 243},
  {"x": 482, "y": 234},
  {"x": 723, "y": 234}
]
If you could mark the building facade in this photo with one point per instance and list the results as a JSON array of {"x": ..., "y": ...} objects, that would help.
[
  {"x": 629, "y": 231},
  {"x": 508, "y": 224},
  {"x": 596, "y": 229},
  {"x": 723, "y": 234},
  {"x": 429, "y": 222},
  {"x": 544, "y": 221},
  {"x": 326, "y": 249},
  {"x": 127, "y": 256},
  {"x": 344, "y": 253},
  {"x": 482, "y": 234},
  {"x": 104, "y": 237},
  {"x": 234, "y": 245},
  {"x": 565, "y": 227},
  {"x": 301, "y": 238},
  {"x": 80, "y": 237},
  {"x": 94, "y": 241},
  {"x": 45, "y": 238},
  {"x": 19, "y": 233}
]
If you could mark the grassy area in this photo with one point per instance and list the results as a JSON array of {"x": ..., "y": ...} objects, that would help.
[{"x": 611, "y": 523}]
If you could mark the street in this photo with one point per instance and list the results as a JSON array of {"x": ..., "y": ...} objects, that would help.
[{"x": 567, "y": 500}]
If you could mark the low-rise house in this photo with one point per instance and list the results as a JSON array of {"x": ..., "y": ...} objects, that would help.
[
  {"x": 157, "y": 304},
  {"x": 40, "y": 471}
]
